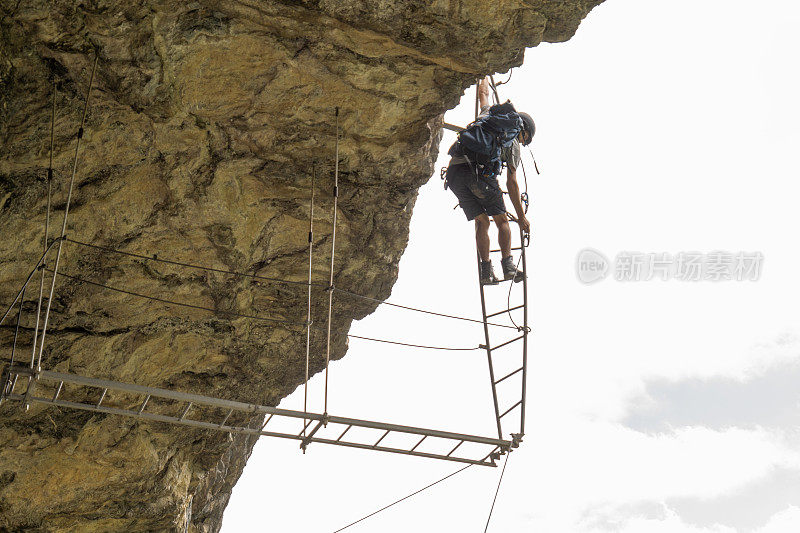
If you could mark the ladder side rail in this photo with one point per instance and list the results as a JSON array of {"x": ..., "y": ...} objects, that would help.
[
  {"x": 247, "y": 408},
  {"x": 200, "y": 424},
  {"x": 525, "y": 332},
  {"x": 489, "y": 353},
  {"x": 155, "y": 417},
  {"x": 482, "y": 462}
]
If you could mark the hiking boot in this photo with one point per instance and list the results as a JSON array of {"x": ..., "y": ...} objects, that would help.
[
  {"x": 487, "y": 274},
  {"x": 510, "y": 270}
]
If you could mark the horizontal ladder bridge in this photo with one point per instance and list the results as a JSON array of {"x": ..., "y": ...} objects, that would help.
[{"x": 204, "y": 412}]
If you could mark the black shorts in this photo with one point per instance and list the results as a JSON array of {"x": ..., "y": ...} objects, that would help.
[{"x": 474, "y": 201}]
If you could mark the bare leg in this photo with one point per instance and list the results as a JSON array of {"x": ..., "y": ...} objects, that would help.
[
  {"x": 482, "y": 236},
  {"x": 504, "y": 234}
]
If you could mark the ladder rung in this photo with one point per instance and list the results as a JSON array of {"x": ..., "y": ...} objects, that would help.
[
  {"x": 102, "y": 397},
  {"x": 508, "y": 375},
  {"x": 512, "y": 249},
  {"x": 267, "y": 421},
  {"x": 506, "y": 311},
  {"x": 309, "y": 438},
  {"x": 382, "y": 437},
  {"x": 496, "y": 450},
  {"x": 511, "y": 409},
  {"x": 144, "y": 404},
  {"x": 420, "y": 442},
  {"x": 58, "y": 390},
  {"x": 454, "y": 449},
  {"x": 186, "y": 410},
  {"x": 506, "y": 343},
  {"x": 226, "y": 418},
  {"x": 305, "y": 428},
  {"x": 343, "y": 432}
]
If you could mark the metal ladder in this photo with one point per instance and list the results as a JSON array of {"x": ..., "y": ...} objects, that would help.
[
  {"x": 496, "y": 352},
  {"x": 29, "y": 386}
]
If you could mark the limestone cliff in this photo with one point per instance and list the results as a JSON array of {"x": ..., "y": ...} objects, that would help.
[{"x": 204, "y": 125}]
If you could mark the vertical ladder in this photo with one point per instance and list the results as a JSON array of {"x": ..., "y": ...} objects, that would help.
[{"x": 503, "y": 350}]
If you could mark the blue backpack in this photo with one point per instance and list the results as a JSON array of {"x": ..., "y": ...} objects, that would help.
[{"x": 483, "y": 141}]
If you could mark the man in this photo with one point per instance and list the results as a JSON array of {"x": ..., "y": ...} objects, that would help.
[{"x": 481, "y": 198}]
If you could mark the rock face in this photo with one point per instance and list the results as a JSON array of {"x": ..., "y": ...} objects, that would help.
[{"x": 206, "y": 122}]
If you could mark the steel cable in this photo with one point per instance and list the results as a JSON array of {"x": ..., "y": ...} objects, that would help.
[
  {"x": 418, "y": 310},
  {"x": 46, "y": 223},
  {"x": 505, "y": 463},
  {"x": 308, "y": 297},
  {"x": 277, "y": 280},
  {"x": 417, "y": 345},
  {"x": 242, "y": 315},
  {"x": 333, "y": 257},
  {"x": 27, "y": 280},
  {"x": 172, "y": 302},
  {"x": 16, "y": 329},
  {"x": 402, "y": 499},
  {"x": 66, "y": 207},
  {"x": 190, "y": 265}
]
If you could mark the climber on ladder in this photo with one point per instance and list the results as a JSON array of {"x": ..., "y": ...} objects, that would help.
[{"x": 477, "y": 158}]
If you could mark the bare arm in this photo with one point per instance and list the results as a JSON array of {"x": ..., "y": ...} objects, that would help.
[
  {"x": 483, "y": 92},
  {"x": 516, "y": 201}
]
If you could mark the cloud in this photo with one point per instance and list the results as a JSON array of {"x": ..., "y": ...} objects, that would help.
[
  {"x": 642, "y": 517},
  {"x": 766, "y": 395},
  {"x": 669, "y": 517},
  {"x": 740, "y": 430},
  {"x": 752, "y": 506},
  {"x": 785, "y": 521}
]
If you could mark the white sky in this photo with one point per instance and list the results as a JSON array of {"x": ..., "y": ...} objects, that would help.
[{"x": 653, "y": 406}]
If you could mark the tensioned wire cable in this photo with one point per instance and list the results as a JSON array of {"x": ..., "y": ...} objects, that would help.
[
  {"x": 505, "y": 464},
  {"x": 66, "y": 208},
  {"x": 333, "y": 258},
  {"x": 403, "y": 499},
  {"x": 46, "y": 222},
  {"x": 277, "y": 280},
  {"x": 243, "y": 315},
  {"x": 172, "y": 302},
  {"x": 190, "y": 265},
  {"x": 28, "y": 279},
  {"x": 444, "y": 315},
  {"x": 46, "y": 230},
  {"x": 417, "y": 345}
]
